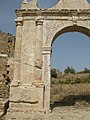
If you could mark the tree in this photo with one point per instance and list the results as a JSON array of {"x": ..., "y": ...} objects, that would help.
[
  {"x": 54, "y": 73},
  {"x": 69, "y": 70},
  {"x": 86, "y": 70}
]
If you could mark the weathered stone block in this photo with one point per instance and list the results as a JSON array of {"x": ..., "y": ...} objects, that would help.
[{"x": 25, "y": 94}]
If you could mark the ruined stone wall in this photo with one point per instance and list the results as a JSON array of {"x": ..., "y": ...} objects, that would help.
[{"x": 7, "y": 43}]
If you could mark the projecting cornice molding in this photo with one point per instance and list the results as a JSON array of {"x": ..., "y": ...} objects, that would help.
[
  {"x": 28, "y": 12},
  {"x": 53, "y": 14}
]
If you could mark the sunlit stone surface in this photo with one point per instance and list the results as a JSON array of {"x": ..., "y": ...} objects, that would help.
[{"x": 36, "y": 30}]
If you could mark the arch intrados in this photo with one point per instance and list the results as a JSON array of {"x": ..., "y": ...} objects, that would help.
[{"x": 80, "y": 29}]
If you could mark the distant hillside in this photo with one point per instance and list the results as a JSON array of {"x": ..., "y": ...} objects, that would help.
[
  {"x": 70, "y": 89},
  {"x": 70, "y": 78}
]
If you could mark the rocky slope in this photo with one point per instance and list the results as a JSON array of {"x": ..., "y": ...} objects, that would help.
[{"x": 7, "y": 44}]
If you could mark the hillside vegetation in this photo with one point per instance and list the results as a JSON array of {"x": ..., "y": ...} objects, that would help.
[
  {"x": 70, "y": 88},
  {"x": 70, "y": 76}
]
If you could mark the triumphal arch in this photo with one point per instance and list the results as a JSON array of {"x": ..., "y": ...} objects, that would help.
[{"x": 36, "y": 30}]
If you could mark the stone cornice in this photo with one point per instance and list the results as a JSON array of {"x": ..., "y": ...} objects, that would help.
[{"x": 53, "y": 12}]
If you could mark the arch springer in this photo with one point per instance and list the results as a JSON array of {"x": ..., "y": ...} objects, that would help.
[{"x": 46, "y": 50}]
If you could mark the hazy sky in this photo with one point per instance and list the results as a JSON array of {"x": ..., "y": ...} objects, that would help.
[{"x": 69, "y": 49}]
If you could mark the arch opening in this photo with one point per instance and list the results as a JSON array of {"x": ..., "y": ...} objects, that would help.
[{"x": 59, "y": 88}]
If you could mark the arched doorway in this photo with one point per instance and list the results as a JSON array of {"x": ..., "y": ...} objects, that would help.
[
  {"x": 70, "y": 46},
  {"x": 46, "y": 56},
  {"x": 74, "y": 56}
]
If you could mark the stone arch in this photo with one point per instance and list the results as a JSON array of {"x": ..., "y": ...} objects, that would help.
[
  {"x": 54, "y": 28},
  {"x": 81, "y": 29},
  {"x": 54, "y": 33}
]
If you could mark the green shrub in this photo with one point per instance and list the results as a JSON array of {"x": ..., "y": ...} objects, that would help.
[
  {"x": 69, "y": 70},
  {"x": 53, "y": 73},
  {"x": 77, "y": 80}
]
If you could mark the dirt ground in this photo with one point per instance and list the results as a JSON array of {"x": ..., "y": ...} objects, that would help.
[
  {"x": 63, "y": 113},
  {"x": 69, "y": 102},
  {"x": 69, "y": 113}
]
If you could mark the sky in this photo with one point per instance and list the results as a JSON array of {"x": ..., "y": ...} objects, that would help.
[{"x": 69, "y": 49}]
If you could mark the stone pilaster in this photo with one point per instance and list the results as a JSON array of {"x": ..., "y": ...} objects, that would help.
[
  {"x": 46, "y": 51},
  {"x": 39, "y": 30},
  {"x": 17, "y": 57},
  {"x": 38, "y": 53}
]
